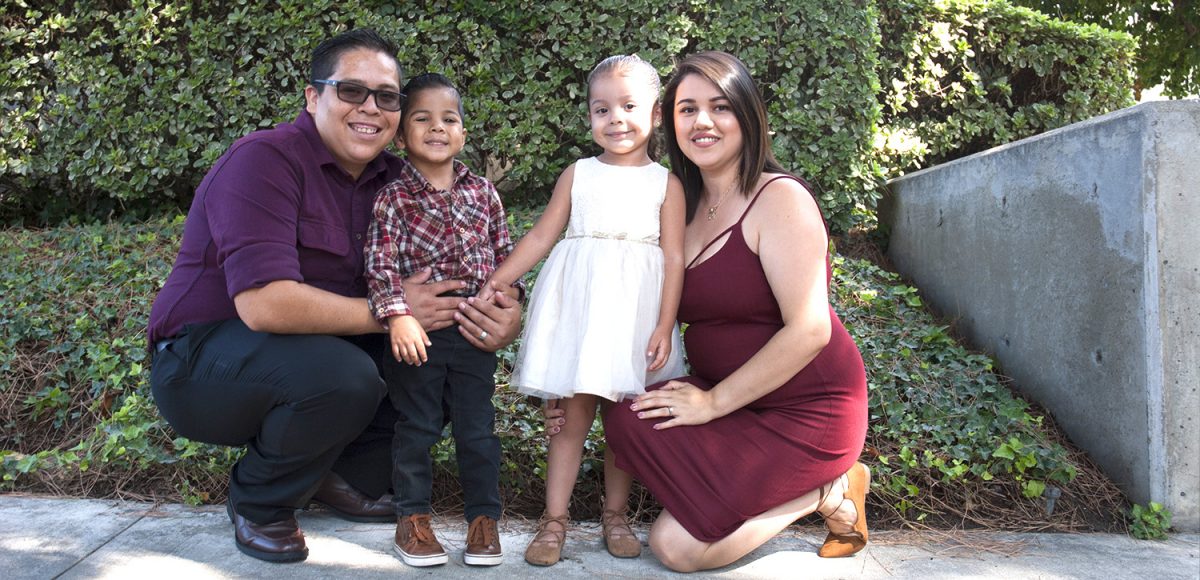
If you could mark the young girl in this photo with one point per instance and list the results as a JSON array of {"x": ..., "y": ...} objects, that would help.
[{"x": 601, "y": 323}]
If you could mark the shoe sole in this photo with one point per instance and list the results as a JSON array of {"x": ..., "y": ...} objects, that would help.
[
  {"x": 275, "y": 557},
  {"x": 624, "y": 556},
  {"x": 421, "y": 561},
  {"x": 384, "y": 519},
  {"x": 483, "y": 559}
]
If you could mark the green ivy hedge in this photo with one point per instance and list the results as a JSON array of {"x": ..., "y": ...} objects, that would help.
[
  {"x": 967, "y": 75},
  {"x": 947, "y": 438},
  {"x": 118, "y": 108}
]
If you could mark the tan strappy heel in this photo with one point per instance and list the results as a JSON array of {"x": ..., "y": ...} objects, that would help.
[{"x": 856, "y": 485}]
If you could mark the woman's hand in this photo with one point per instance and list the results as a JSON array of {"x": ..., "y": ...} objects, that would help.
[
  {"x": 679, "y": 402},
  {"x": 554, "y": 417}
]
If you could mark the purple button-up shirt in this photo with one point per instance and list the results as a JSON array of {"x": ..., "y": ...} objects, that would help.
[{"x": 276, "y": 206}]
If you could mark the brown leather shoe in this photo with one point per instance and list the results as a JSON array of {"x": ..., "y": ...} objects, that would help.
[
  {"x": 618, "y": 536},
  {"x": 856, "y": 484},
  {"x": 483, "y": 543},
  {"x": 280, "y": 541},
  {"x": 348, "y": 503},
  {"x": 415, "y": 542}
]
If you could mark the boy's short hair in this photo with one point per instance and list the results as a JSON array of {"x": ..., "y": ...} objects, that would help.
[{"x": 426, "y": 81}]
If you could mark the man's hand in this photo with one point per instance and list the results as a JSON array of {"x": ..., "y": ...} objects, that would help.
[
  {"x": 432, "y": 311},
  {"x": 490, "y": 325}
]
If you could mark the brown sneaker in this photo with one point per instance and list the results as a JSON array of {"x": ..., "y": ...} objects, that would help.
[
  {"x": 415, "y": 542},
  {"x": 483, "y": 543}
]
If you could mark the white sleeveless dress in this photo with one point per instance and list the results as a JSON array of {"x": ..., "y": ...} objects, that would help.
[{"x": 596, "y": 301}]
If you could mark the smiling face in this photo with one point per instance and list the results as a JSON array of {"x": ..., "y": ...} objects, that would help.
[
  {"x": 706, "y": 128},
  {"x": 622, "y": 113},
  {"x": 356, "y": 134},
  {"x": 432, "y": 130}
]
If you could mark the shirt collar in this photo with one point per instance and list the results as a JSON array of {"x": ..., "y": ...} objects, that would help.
[
  {"x": 413, "y": 176},
  {"x": 308, "y": 127}
]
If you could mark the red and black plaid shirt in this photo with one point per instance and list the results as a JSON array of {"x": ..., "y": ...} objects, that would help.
[{"x": 461, "y": 233}]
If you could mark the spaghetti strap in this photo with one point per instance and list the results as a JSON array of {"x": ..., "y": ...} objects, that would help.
[
  {"x": 742, "y": 218},
  {"x": 758, "y": 194},
  {"x": 707, "y": 246}
]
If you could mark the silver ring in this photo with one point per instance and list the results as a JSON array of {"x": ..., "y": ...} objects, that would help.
[
  {"x": 671, "y": 411},
  {"x": 483, "y": 335}
]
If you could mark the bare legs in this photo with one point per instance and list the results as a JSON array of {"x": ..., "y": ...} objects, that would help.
[
  {"x": 679, "y": 551},
  {"x": 562, "y": 470},
  {"x": 565, "y": 455}
]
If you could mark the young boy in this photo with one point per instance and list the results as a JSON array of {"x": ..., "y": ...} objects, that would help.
[{"x": 438, "y": 215}]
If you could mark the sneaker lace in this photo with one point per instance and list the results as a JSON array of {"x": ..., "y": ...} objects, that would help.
[
  {"x": 481, "y": 532},
  {"x": 422, "y": 529}
]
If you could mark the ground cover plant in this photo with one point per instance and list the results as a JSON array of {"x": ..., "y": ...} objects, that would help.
[{"x": 949, "y": 442}]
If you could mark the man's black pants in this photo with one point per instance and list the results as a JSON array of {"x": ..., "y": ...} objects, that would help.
[{"x": 301, "y": 404}]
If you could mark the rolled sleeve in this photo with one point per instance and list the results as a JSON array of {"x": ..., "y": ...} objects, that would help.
[
  {"x": 385, "y": 283},
  {"x": 500, "y": 239},
  {"x": 253, "y": 208},
  {"x": 258, "y": 264}
]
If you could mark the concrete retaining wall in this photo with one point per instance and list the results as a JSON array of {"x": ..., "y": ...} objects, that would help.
[{"x": 1074, "y": 258}]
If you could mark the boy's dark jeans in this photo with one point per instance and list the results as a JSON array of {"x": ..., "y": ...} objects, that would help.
[{"x": 454, "y": 386}]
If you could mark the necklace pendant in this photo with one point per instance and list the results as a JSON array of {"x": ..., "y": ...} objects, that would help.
[{"x": 712, "y": 213}]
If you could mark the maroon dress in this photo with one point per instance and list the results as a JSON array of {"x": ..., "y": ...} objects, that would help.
[{"x": 794, "y": 439}]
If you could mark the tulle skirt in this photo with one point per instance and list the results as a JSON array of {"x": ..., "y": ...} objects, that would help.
[{"x": 591, "y": 314}]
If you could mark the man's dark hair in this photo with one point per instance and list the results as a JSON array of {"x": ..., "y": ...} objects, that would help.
[
  {"x": 325, "y": 57},
  {"x": 426, "y": 81}
]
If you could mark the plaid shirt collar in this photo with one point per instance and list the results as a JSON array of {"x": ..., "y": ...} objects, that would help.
[{"x": 414, "y": 182}]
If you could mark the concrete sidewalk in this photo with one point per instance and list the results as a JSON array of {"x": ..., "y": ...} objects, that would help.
[{"x": 43, "y": 537}]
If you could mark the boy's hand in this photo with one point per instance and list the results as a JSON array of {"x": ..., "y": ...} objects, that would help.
[
  {"x": 408, "y": 340},
  {"x": 659, "y": 348}
]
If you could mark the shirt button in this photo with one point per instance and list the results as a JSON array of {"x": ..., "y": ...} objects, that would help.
[{"x": 358, "y": 236}]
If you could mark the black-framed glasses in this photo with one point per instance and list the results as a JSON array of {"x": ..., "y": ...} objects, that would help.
[{"x": 357, "y": 94}]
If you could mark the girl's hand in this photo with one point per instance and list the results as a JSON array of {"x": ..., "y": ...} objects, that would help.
[
  {"x": 486, "y": 292},
  {"x": 408, "y": 340},
  {"x": 554, "y": 416},
  {"x": 679, "y": 402},
  {"x": 659, "y": 348}
]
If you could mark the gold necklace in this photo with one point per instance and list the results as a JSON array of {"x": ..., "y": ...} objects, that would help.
[{"x": 712, "y": 210}]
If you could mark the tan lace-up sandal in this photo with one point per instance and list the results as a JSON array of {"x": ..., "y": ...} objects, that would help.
[
  {"x": 855, "y": 483},
  {"x": 546, "y": 547},
  {"x": 618, "y": 536}
]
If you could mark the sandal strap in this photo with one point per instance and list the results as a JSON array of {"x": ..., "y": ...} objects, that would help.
[
  {"x": 614, "y": 524},
  {"x": 559, "y": 536},
  {"x": 826, "y": 492}
]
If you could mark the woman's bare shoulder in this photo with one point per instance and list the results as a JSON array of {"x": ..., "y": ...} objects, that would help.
[{"x": 787, "y": 197}]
